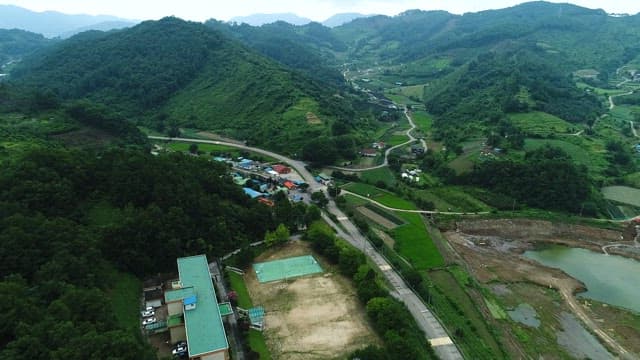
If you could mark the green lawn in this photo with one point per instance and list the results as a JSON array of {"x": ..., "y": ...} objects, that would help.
[
  {"x": 125, "y": 299},
  {"x": 382, "y": 196},
  {"x": 382, "y": 174},
  {"x": 258, "y": 344},
  {"x": 256, "y": 338},
  {"x": 414, "y": 243},
  {"x": 238, "y": 285},
  {"x": 422, "y": 120},
  {"x": 542, "y": 124}
]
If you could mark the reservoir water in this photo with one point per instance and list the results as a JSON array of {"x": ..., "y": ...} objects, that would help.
[{"x": 609, "y": 278}]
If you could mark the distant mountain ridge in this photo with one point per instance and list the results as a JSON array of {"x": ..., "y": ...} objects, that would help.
[
  {"x": 262, "y": 19},
  {"x": 55, "y": 24},
  {"x": 342, "y": 18}
]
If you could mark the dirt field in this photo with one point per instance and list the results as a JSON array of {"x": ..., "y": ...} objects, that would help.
[
  {"x": 491, "y": 250},
  {"x": 314, "y": 317},
  {"x": 388, "y": 224}
]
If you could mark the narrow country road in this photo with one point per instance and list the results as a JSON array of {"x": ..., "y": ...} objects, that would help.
[
  {"x": 611, "y": 97},
  {"x": 389, "y": 150},
  {"x": 434, "y": 331},
  {"x": 633, "y": 128},
  {"x": 412, "y": 211}
]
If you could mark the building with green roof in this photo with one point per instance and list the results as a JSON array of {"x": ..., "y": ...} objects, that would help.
[{"x": 193, "y": 299}]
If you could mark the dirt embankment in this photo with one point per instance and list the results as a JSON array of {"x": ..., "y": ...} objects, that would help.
[{"x": 492, "y": 250}]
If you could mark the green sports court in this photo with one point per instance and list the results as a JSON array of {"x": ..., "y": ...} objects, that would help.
[{"x": 286, "y": 268}]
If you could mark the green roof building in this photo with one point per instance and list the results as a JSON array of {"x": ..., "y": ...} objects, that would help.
[{"x": 194, "y": 300}]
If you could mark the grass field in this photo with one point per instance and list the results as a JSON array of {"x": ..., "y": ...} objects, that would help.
[
  {"x": 451, "y": 198},
  {"x": 423, "y": 121},
  {"x": 601, "y": 91},
  {"x": 256, "y": 339},
  {"x": 125, "y": 299},
  {"x": 589, "y": 157},
  {"x": 382, "y": 196},
  {"x": 381, "y": 174},
  {"x": 476, "y": 337},
  {"x": 622, "y": 194},
  {"x": 542, "y": 124},
  {"x": 414, "y": 243}
]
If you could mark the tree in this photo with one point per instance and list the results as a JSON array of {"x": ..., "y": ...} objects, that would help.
[
  {"x": 193, "y": 149},
  {"x": 319, "y": 198},
  {"x": 277, "y": 237}
]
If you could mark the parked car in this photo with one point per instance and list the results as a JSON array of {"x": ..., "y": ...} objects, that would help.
[
  {"x": 148, "y": 313},
  {"x": 148, "y": 321},
  {"x": 179, "y": 350}
]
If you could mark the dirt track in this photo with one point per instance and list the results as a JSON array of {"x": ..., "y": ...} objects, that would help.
[{"x": 492, "y": 249}]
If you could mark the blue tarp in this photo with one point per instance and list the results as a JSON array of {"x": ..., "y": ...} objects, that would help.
[{"x": 254, "y": 194}]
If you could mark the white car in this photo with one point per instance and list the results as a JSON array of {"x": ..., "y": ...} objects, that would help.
[
  {"x": 179, "y": 350},
  {"x": 148, "y": 321},
  {"x": 148, "y": 313}
]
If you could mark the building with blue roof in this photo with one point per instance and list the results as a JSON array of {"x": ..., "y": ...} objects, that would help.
[
  {"x": 252, "y": 193},
  {"x": 193, "y": 311}
]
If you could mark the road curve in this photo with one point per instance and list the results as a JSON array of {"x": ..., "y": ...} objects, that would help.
[
  {"x": 434, "y": 331},
  {"x": 389, "y": 150}
]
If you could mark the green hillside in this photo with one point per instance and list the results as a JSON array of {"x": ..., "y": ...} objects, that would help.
[
  {"x": 171, "y": 73},
  {"x": 14, "y": 44}
]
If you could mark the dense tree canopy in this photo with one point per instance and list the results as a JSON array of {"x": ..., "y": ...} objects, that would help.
[{"x": 69, "y": 216}]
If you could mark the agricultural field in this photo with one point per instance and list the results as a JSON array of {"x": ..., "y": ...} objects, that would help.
[
  {"x": 471, "y": 153},
  {"x": 452, "y": 198},
  {"x": 313, "y": 317},
  {"x": 422, "y": 120},
  {"x": 454, "y": 306},
  {"x": 384, "y": 197},
  {"x": 381, "y": 174},
  {"x": 414, "y": 243},
  {"x": 542, "y": 124},
  {"x": 590, "y": 158},
  {"x": 622, "y": 194}
]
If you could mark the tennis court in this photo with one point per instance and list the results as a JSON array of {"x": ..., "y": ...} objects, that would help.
[{"x": 286, "y": 268}]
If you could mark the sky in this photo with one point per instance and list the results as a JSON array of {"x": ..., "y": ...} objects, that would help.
[{"x": 317, "y": 10}]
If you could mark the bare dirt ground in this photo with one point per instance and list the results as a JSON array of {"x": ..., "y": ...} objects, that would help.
[
  {"x": 314, "y": 317},
  {"x": 379, "y": 219},
  {"x": 492, "y": 248}
]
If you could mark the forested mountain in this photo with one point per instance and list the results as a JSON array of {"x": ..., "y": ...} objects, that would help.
[
  {"x": 14, "y": 44},
  {"x": 498, "y": 83},
  {"x": 70, "y": 218},
  {"x": 54, "y": 24},
  {"x": 310, "y": 48},
  {"x": 172, "y": 72},
  {"x": 580, "y": 36}
]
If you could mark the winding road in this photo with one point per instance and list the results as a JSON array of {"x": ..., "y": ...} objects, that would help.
[
  {"x": 434, "y": 330},
  {"x": 389, "y": 150}
]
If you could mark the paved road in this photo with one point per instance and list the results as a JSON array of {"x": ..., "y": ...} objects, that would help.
[
  {"x": 299, "y": 166},
  {"x": 434, "y": 331},
  {"x": 412, "y": 211},
  {"x": 389, "y": 150}
]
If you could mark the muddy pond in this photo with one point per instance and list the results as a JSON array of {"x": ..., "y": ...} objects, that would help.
[{"x": 609, "y": 278}]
